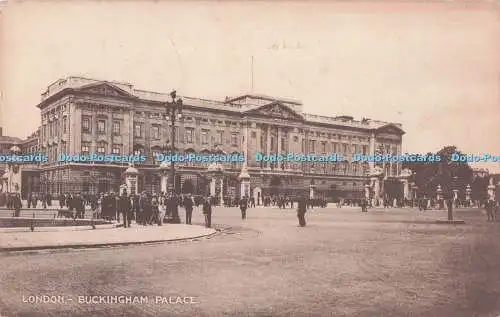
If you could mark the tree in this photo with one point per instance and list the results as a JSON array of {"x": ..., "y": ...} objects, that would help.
[
  {"x": 479, "y": 187},
  {"x": 450, "y": 175}
]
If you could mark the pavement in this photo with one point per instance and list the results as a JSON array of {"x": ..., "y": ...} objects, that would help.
[{"x": 22, "y": 239}]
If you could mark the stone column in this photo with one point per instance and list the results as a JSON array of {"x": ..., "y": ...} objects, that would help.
[
  {"x": 367, "y": 191},
  {"x": 164, "y": 182},
  {"x": 376, "y": 191},
  {"x": 311, "y": 191},
  {"x": 93, "y": 146},
  {"x": 212, "y": 187},
  {"x": 491, "y": 189},
  {"x": 268, "y": 145},
  {"x": 221, "y": 194},
  {"x": 372, "y": 150},
  {"x": 131, "y": 178},
  {"x": 279, "y": 140},
  {"x": 406, "y": 189},
  {"x": 244, "y": 183}
]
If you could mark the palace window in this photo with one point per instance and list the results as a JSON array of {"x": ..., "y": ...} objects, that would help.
[
  {"x": 323, "y": 147},
  {"x": 116, "y": 127},
  {"x": 295, "y": 138},
  {"x": 155, "y": 132},
  {"x": 116, "y": 150},
  {"x": 254, "y": 134},
  {"x": 220, "y": 137},
  {"x": 86, "y": 124},
  {"x": 101, "y": 126},
  {"x": 65, "y": 124},
  {"x": 138, "y": 130},
  {"x": 272, "y": 144},
  {"x": 261, "y": 141},
  {"x": 234, "y": 139},
  {"x": 365, "y": 149},
  {"x": 204, "y": 136},
  {"x": 189, "y": 133},
  {"x": 283, "y": 144},
  {"x": 101, "y": 148},
  {"x": 312, "y": 146},
  {"x": 85, "y": 147}
]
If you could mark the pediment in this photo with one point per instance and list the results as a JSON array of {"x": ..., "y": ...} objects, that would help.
[
  {"x": 391, "y": 129},
  {"x": 276, "y": 110},
  {"x": 106, "y": 89}
]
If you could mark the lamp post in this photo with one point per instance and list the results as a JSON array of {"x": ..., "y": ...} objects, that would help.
[
  {"x": 174, "y": 112},
  {"x": 451, "y": 200}
]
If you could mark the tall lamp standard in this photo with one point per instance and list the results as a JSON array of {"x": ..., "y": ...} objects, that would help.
[
  {"x": 174, "y": 112},
  {"x": 451, "y": 199}
]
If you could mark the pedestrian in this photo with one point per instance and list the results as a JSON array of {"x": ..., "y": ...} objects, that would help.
[
  {"x": 490, "y": 209},
  {"x": 145, "y": 202},
  {"x": 188, "y": 206},
  {"x": 17, "y": 204},
  {"x": 155, "y": 209},
  {"x": 364, "y": 205},
  {"x": 61, "y": 201},
  {"x": 139, "y": 217},
  {"x": 243, "y": 207},
  {"x": 301, "y": 211},
  {"x": 125, "y": 208},
  {"x": 30, "y": 198},
  {"x": 79, "y": 207},
  {"x": 207, "y": 212}
]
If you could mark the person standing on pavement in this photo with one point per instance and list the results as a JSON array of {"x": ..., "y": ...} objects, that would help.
[
  {"x": 243, "y": 207},
  {"x": 155, "y": 209},
  {"x": 364, "y": 204},
  {"x": 301, "y": 211},
  {"x": 79, "y": 207},
  {"x": 17, "y": 204},
  {"x": 188, "y": 206},
  {"x": 490, "y": 209},
  {"x": 207, "y": 211},
  {"x": 125, "y": 208}
]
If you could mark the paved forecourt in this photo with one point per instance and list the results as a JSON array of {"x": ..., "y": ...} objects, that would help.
[
  {"x": 393, "y": 263},
  {"x": 105, "y": 235}
]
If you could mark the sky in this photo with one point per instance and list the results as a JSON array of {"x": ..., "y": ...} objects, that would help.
[{"x": 433, "y": 67}]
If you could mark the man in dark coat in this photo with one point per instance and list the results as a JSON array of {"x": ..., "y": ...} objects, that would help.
[
  {"x": 125, "y": 208},
  {"x": 243, "y": 207},
  {"x": 188, "y": 206},
  {"x": 145, "y": 203},
  {"x": 61, "y": 201},
  {"x": 364, "y": 204},
  {"x": 301, "y": 210},
  {"x": 79, "y": 205},
  {"x": 17, "y": 204},
  {"x": 207, "y": 212}
]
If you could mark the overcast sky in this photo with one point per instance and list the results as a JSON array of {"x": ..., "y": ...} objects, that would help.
[{"x": 435, "y": 68}]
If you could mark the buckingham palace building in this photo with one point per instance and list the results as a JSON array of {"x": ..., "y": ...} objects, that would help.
[{"x": 83, "y": 116}]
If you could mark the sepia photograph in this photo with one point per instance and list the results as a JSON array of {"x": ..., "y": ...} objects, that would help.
[{"x": 250, "y": 158}]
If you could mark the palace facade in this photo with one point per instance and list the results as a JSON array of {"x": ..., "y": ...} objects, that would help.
[{"x": 81, "y": 115}]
